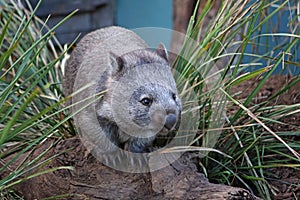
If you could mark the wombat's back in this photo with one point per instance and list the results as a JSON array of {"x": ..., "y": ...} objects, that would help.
[{"x": 94, "y": 49}]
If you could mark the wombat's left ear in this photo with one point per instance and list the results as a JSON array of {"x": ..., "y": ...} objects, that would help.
[
  {"x": 116, "y": 63},
  {"x": 162, "y": 51}
]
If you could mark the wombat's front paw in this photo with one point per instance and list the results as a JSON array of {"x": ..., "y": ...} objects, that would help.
[{"x": 136, "y": 147}]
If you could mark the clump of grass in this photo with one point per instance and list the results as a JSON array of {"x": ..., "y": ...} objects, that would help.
[
  {"x": 223, "y": 52},
  {"x": 31, "y": 98}
]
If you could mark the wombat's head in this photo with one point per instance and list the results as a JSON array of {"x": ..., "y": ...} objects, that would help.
[
  {"x": 155, "y": 107},
  {"x": 142, "y": 95}
]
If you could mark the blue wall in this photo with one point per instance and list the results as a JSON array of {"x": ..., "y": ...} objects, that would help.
[
  {"x": 135, "y": 14},
  {"x": 158, "y": 13},
  {"x": 144, "y": 13},
  {"x": 279, "y": 23}
]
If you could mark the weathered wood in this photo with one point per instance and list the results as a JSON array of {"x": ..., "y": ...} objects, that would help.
[
  {"x": 93, "y": 180},
  {"x": 91, "y": 15},
  {"x": 182, "y": 11},
  {"x": 58, "y": 7}
]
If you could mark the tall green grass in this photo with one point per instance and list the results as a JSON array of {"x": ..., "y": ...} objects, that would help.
[
  {"x": 31, "y": 98},
  {"x": 246, "y": 135},
  {"x": 31, "y": 110}
]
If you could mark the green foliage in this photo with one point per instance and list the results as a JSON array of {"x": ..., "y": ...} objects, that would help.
[
  {"x": 31, "y": 111},
  {"x": 220, "y": 52}
]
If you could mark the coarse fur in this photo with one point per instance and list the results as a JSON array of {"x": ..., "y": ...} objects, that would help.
[{"x": 139, "y": 101}]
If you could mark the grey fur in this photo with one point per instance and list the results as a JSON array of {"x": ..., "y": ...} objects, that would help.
[{"x": 117, "y": 60}]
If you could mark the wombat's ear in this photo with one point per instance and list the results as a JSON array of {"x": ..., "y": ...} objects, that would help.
[
  {"x": 116, "y": 63},
  {"x": 162, "y": 51}
]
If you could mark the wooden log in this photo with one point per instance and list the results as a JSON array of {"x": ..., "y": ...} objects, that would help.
[{"x": 90, "y": 179}]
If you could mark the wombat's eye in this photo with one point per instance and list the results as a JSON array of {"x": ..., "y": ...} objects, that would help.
[
  {"x": 174, "y": 96},
  {"x": 146, "y": 101}
]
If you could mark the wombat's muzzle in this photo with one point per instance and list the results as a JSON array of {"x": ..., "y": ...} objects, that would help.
[{"x": 171, "y": 120}]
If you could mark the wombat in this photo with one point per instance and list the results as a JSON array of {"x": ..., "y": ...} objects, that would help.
[{"x": 138, "y": 96}]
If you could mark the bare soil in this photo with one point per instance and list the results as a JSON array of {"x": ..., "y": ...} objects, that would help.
[{"x": 286, "y": 182}]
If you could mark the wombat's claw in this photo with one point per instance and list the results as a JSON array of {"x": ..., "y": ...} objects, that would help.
[
  {"x": 132, "y": 162},
  {"x": 110, "y": 159},
  {"x": 140, "y": 162},
  {"x": 137, "y": 162},
  {"x": 114, "y": 162},
  {"x": 119, "y": 158},
  {"x": 178, "y": 166},
  {"x": 105, "y": 160},
  {"x": 125, "y": 161}
]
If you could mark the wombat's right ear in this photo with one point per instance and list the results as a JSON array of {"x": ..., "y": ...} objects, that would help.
[
  {"x": 116, "y": 63},
  {"x": 162, "y": 51}
]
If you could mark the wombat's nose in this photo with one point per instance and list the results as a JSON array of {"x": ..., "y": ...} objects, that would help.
[{"x": 170, "y": 121}]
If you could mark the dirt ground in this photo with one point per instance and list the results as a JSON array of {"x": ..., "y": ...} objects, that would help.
[{"x": 287, "y": 185}]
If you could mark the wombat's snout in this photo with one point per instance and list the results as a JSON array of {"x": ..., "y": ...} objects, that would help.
[{"x": 170, "y": 121}]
